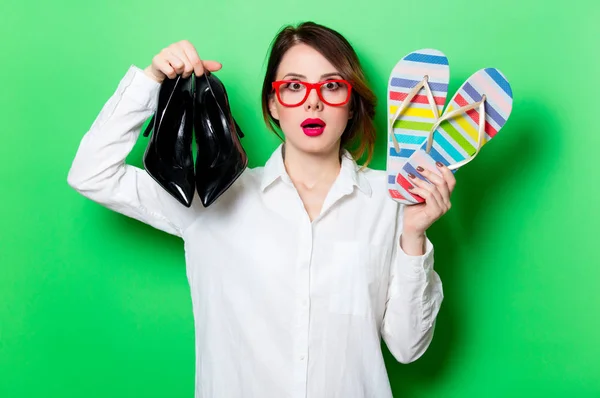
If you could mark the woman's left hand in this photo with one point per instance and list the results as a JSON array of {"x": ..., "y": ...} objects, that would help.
[{"x": 418, "y": 218}]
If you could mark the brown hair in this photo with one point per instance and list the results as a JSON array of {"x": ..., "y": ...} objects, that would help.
[{"x": 359, "y": 135}]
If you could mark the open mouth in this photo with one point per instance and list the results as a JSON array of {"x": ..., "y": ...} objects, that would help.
[{"x": 313, "y": 127}]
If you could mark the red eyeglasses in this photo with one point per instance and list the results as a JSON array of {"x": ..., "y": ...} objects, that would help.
[{"x": 294, "y": 92}]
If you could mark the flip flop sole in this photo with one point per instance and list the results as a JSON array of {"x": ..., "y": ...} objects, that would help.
[
  {"x": 455, "y": 139},
  {"x": 412, "y": 127}
]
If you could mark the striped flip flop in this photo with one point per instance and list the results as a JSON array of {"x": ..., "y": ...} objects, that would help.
[
  {"x": 476, "y": 113},
  {"x": 417, "y": 91}
]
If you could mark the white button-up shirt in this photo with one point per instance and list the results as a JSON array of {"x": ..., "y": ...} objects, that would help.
[{"x": 283, "y": 307}]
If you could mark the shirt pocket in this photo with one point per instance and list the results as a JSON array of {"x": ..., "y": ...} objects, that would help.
[{"x": 356, "y": 277}]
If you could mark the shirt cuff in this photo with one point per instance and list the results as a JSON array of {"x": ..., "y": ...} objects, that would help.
[
  {"x": 415, "y": 266},
  {"x": 140, "y": 87}
]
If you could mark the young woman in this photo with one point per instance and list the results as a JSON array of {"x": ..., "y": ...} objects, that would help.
[{"x": 300, "y": 268}]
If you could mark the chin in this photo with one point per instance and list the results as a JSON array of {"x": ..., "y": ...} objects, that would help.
[{"x": 320, "y": 145}]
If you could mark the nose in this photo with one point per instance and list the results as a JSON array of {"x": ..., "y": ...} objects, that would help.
[{"x": 313, "y": 102}]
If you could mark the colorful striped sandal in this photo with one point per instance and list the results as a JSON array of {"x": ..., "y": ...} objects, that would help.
[
  {"x": 478, "y": 110},
  {"x": 417, "y": 91}
]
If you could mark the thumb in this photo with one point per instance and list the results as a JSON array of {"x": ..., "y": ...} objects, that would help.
[{"x": 212, "y": 66}]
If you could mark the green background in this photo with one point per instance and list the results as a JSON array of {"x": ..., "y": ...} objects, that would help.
[{"x": 93, "y": 304}]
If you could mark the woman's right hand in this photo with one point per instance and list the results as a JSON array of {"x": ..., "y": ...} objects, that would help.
[{"x": 179, "y": 58}]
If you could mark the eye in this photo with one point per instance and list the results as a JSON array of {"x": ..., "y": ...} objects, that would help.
[
  {"x": 332, "y": 86},
  {"x": 293, "y": 86}
]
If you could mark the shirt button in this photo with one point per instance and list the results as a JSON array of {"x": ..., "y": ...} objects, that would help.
[{"x": 302, "y": 358}]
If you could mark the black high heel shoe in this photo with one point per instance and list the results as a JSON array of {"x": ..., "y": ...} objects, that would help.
[
  {"x": 220, "y": 159},
  {"x": 168, "y": 157}
]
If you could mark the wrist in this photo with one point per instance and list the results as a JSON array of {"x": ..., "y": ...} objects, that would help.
[
  {"x": 151, "y": 75},
  {"x": 413, "y": 244},
  {"x": 413, "y": 233}
]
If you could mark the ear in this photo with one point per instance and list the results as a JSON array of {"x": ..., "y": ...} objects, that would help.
[
  {"x": 350, "y": 114},
  {"x": 273, "y": 108}
]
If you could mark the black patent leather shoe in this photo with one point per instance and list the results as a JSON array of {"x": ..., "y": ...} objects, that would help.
[
  {"x": 220, "y": 159},
  {"x": 168, "y": 157}
]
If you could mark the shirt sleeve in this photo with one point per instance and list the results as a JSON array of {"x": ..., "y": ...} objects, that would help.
[
  {"x": 413, "y": 301},
  {"x": 99, "y": 172}
]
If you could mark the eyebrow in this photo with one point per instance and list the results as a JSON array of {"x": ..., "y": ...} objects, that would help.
[{"x": 299, "y": 76}]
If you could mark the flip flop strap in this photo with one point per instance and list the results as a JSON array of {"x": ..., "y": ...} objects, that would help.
[
  {"x": 481, "y": 133},
  {"x": 415, "y": 90}
]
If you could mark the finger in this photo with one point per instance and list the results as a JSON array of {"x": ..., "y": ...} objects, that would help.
[
  {"x": 426, "y": 190},
  {"x": 448, "y": 176},
  {"x": 443, "y": 202},
  {"x": 431, "y": 188},
  {"x": 192, "y": 55},
  {"x": 198, "y": 64},
  {"x": 431, "y": 202},
  {"x": 176, "y": 63},
  {"x": 438, "y": 181},
  {"x": 184, "y": 66},
  {"x": 212, "y": 66},
  {"x": 163, "y": 66}
]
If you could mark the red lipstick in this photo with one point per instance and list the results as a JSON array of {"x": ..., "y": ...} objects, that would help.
[{"x": 313, "y": 127}]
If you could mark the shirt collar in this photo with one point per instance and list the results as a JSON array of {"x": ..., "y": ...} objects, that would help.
[{"x": 349, "y": 176}]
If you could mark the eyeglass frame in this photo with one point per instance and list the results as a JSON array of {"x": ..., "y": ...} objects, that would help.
[{"x": 309, "y": 87}]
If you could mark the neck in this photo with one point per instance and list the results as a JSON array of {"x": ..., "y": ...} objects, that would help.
[{"x": 310, "y": 170}]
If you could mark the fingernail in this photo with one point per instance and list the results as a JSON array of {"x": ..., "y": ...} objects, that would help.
[
  {"x": 419, "y": 169},
  {"x": 410, "y": 187},
  {"x": 439, "y": 164},
  {"x": 411, "y": 175}
]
